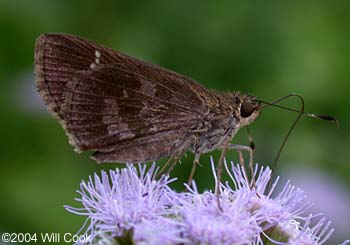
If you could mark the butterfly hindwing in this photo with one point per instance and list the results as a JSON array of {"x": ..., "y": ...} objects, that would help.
[{"x": 110, "y": 109}]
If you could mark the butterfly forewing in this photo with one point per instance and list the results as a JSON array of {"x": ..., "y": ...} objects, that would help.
[
  {"x": 126, "y": 109},
  {"x": 57, "y": 59}
]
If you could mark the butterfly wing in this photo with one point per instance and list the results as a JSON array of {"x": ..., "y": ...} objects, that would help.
[
  {"x": 126, "y": 109},
  {"x": 58, "y": 57},
  {"x": 124, "y": 116}
]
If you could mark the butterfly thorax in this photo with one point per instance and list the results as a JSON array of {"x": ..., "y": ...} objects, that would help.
[{"x": 221, "y": 122}]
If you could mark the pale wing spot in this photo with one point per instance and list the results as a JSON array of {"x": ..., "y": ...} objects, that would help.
[
  {"x": 148, "y": 88},
  {"x": 153, "y": 129},
  {"x": 111, "y": 105},
  {"x": 97, "y": 60},
  {"x": 125, "y": 93},
  {"x": 97, "y": 55},
  {"x": 126, "y": 135},
  {"x": 120, "y": 130}
]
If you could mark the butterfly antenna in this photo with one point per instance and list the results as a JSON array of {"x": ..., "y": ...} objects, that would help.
[
  {"x": 300, "y": 114},
  {"x": 313, "y": 115}
]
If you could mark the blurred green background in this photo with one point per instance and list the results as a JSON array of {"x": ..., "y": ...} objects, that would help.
[{"x": 266, "y": 48}]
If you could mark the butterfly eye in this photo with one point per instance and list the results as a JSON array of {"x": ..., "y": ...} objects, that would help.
[{"x": 246, "y": 109}]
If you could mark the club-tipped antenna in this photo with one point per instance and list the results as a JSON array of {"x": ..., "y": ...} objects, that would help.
[
  {"x": 301, "y": 113},
  {"x": 313, "y": 115}
]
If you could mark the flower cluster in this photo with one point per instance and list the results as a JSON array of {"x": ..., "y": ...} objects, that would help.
[{"x": 131, "y": 205}]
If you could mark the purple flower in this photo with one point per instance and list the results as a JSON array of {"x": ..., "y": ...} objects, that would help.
[
  {"x": 318, "y": 234},
  {"x": 118, "y": 201},
  {"x": 131, "y": 204},
  {"x": 280, "y": 216},
  {"x": 205, "y": 223},
  {"x": 159, "y": 231}
]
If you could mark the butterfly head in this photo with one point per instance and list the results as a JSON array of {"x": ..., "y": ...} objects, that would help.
[{"x": 248, "y": 109}]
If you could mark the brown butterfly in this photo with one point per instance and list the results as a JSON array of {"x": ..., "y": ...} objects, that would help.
[{"x": 127, "y": 110}]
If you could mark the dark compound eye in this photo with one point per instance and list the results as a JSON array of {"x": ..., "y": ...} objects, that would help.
[{"x": 246, "y": 109}]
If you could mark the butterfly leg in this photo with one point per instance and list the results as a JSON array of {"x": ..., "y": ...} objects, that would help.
[
  {"x": 193, "y": 170},
  {"x": 197, "y": 155},
  {"x": 177, "y": 156},
  {"x": 219, "y": 172},
  {"x": 241, "y": 162},
  {"x": 175, "y": 160},
  {"x": 250, "y": 150},
  {"x": 162, "y": 170},
  {"x": 250, "y": 139}
]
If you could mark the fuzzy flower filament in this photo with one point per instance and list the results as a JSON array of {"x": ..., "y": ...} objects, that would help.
[
  {"x": 119, "y": 201},
  {"x": 132, "y": 204}
]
